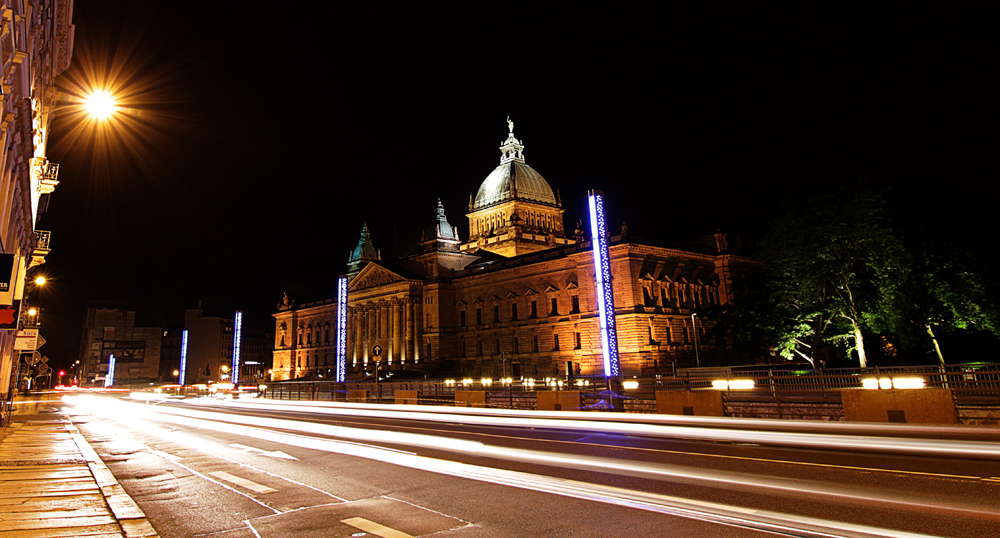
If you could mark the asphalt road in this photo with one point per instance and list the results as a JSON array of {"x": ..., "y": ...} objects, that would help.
[{"x": 282, "y": 469}]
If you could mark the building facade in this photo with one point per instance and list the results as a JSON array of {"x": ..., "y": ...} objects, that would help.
[
  {"x": 517, "y": 299},
  {"x": 36, "y": 45},
  {"x": 113, "y": 331}
]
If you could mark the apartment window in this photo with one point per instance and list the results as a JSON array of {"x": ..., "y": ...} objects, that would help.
[
  {"x": 326, "y": 334},
  {"x": 496, "y": 313},
  {"x": 479, "y": 316},
  {"x": 534, "y": 343},
  {"x": 555, "y": 307},
  {"x": 513, "y": 312},
  {"x": 555, "y": 345},
  {"x": 479, "y": 347},
  {"x": 534, "y": 309},
  {"x": 517, "y": 346},
  {"x": 461, "y": 318},
  {"x": 576, "y": 305},
  {"x": 576, "y": 341},
  {"x": 496, "y": 348}
]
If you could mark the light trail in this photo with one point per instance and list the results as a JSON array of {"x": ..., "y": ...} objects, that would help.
[
  {"x": 249, "y": 426},
  {"x": 632, "y": 426}
]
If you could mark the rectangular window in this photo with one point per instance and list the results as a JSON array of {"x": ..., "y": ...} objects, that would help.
[
  {"x": 534, "y": 343},
  {"x": 555, "y": 307},
  {"x": 479, "y": 316},
  {"x": 479, "y": 347},
  {"x": 534, "y": 309},
  {"x": 555, "y": 344},
  {"x": 513, "y": 312},
  {"x": 496, "y": 348},
  {"x": 496, "y": 313},
  {"x": 576, "y": 343},
  {"x": 461, "y": 318},
  {"x": 576, "y": 305},
  {"x": 517, "y": 346}
]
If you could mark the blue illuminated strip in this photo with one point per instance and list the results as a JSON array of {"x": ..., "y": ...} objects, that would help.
[
  {"x": 184, "y": 356},
  {"x": 110, "y": 378},
  {"x": 602, "y": 268},
  {"x": 235, "y": 377},
  {"x": 341, "y": 329}
]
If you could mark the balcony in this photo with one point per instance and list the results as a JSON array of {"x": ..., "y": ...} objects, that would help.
[{"x": 41, "y": 250}]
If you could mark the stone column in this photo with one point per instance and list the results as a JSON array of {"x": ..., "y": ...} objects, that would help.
[
  {"x": 407, "y": 329},
  {"x": 418, "y": 331},
  {"x": 397, "y": 330}
]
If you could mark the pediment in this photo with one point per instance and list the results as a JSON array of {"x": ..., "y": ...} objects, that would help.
[
  {"x": 461, "y": 302},
  {"x": 477, "y": 300},
  {"x": 530, "y": 292},
  {"x": 646, "y": 277},
  {"x": 550, "y": 288},
  {"x": 494, "y": 297},
  {"x": 572, "y": 286},
  {"x": 511, "y": 295},
  {"x": 373, "y": 276}
]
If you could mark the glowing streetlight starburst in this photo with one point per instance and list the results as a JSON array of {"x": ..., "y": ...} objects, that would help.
[{"x": 100, "y": 104}]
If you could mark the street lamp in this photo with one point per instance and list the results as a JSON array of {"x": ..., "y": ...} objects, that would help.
[{"x": 100, "y": 104}]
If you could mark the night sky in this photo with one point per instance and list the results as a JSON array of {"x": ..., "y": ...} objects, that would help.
[{"x": 259, "y": 137}]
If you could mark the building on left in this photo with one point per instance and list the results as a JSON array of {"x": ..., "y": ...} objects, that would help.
[{"x": 36, "y": 45}]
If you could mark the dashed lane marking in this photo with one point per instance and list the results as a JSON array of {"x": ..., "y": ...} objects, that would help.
[
  {"x": 252, "y": 486},
  {"x": 374, "y": 528}
]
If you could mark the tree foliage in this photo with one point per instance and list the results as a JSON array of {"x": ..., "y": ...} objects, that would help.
[{"x": 833, "y": 266}]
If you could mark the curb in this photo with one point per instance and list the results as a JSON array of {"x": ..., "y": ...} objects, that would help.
[{"x": 131, "y": 518}]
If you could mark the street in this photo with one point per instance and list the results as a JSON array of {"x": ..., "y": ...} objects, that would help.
[{"x": 266, "y": 468}]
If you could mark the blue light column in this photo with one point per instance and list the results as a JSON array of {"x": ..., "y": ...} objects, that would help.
[
  {"x": 235, "y": 376},
  {"x": 110, "y": 378},
  {"x": 341, "y": 375},
  {"x": 184, "y": 356},
  {"x": 602, "y": 268}
]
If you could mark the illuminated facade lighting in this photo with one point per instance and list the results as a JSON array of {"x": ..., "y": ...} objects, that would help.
[
  {"x": 733, "y": 384},
  {"x": 602, "y": 268},
  {"x": 341, "y": 374},
  {"x": 235, "y": 378},
  {"x": 110, "y": 378},
  {"x": 184, "y": 357}
]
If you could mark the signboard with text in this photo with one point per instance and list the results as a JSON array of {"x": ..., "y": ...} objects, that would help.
[{"x": 27, "y": 340}]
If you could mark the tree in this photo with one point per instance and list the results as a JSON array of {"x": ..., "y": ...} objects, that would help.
[
  {"x": 950, "y": 283},
  {"x": 831, "y": 263}
]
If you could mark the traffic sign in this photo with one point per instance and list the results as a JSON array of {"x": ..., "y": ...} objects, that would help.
[{"x": 377, "y": 350}]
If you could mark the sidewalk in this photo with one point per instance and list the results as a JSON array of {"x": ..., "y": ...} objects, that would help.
[{"x": 53, "y": 484}]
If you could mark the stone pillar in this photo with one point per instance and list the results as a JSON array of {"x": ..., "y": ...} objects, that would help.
[
  {"x": 418, "y": 331},
  {"x": 349, "y": 336},
  {"x": 397, "y": 330},
  {"x": 407, "y": 329}
]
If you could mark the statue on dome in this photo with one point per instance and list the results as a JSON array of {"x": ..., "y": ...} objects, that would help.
[{"x": 510, "y": 125}]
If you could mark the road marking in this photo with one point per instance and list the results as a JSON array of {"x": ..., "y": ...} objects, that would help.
[
  {"x": 262, "y": 452},
  {"x": 374, "y": 528},
  {"x": 992, "y": 479},
  {"x": 166, "y": 455},
  {"x": 252, "y": 486}
]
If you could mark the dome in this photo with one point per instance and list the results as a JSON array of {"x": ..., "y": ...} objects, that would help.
[{"x": 513, "y": 180}]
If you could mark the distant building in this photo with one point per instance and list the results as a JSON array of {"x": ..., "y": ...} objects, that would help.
[
  {"x": 517, "y": 298},
  {"x": 210, "y": 349},
  {"x": 136, "y": 349},
  {"x": 36, "y": 44}
]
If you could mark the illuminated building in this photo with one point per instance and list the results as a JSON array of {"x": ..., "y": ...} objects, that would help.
[
  {"x": 518, "y": 298},
  {"x": 36, "y": 44}
]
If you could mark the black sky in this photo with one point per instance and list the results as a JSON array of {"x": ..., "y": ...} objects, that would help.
[{"x": 270, "y": 133}]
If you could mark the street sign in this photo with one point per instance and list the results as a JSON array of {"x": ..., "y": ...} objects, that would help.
[
  {"x": 26, "y": 340},
  {"x": 377, "y": 350},
  {"x": 33, "y": 359}
]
